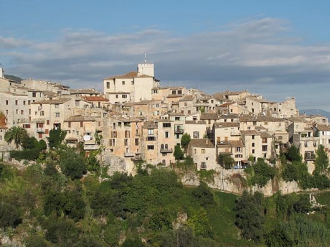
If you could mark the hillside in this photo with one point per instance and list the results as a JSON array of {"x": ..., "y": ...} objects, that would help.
[{"x": 315, "y": 112}]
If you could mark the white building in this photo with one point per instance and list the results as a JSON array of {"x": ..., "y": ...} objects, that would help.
[{"x": 133, "y": 86}]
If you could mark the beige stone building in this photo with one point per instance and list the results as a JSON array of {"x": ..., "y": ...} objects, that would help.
[
  {"x": 257, "y": 144},
  {"x": 203, "y": 153},
  {"x": 196, "y": 129}
]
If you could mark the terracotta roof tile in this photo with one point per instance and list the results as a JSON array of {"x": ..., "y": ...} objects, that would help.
[{"x": 201, "y": 143}]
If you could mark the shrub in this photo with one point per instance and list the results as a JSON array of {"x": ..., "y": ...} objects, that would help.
[
  {"x": 25, "y": 154},
  {"x": 9, "y": 215}
]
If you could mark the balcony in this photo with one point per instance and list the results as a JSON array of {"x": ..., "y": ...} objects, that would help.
[
  {"x": 127, "y": 154},
  {"x": 178, "y": 131},
  {"x": 40, "y": 130},
  {"x": 309, "y": 156},
  {"x": 91, "y": 147},
  {"x": 168, "y": 150}
]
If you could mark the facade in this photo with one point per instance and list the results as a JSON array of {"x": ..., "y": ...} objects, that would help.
[{"x": 133, "y": 86}]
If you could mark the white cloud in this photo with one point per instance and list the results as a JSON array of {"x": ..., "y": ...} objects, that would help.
[{"x": 252, "y": 55}]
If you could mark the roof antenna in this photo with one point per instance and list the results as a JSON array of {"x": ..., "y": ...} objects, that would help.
[{"x": 145, "y": 58}]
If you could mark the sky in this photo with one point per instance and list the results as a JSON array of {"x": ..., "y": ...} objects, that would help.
[{"x": 280, "y": 49}]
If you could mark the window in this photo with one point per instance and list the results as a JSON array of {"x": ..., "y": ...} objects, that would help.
[
  {"x": 177, "y": 118},
  {"x": 151, "y": 138},
  {"x": 179, "y": 91},
  {"x": 124, "y": 96},
  {"x": 202, "y": 151},
  {"x": 252, "y": 137},
  {"x": 112, "y": 142},
  {"x": 253, "y": 151},
  {"x": 114, "y": 134},
  {"x": 173, "y": 92},
  {"x": 252, "y": 144},
  {"x": 16, "y": 102},
  {"x": 196, "y": 134},
  {"x": 264, "y": 148},
  {"x": 7, "y": 102},
  {"x": 127, "y": 134},
  {"x": 136, "y": 141},
  {"x": 195, "y": 151},
  {"x": 264, "y": 140},
  {"x": 167, "y": 134},
  {"x": 81, "y": 124},
  {"x": 16, "y": 111},
  {"x": 22, "y": 112},
  {"x": 47, "y": 122},
  {"x": 125, "y": 142},
  {"x": 58, "y": 105},
  {"x": 150, "y": 131},
  {"x": 238, "y": 149},
  {"x": 108, "y": 84},
  {"x": 166, "y": 125},
  {"x": 123, "y": 83},
  {"x": 150, "y": 147},
  {"x": 116, "y": 96},
  {"x": 203, "y": 165},
  {"x": 57, "y": 114}
]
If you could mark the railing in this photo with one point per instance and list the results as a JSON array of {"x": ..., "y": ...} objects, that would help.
[
  {"x": 40, "y": 130},
  {"x": 168, "y": 150},
  {"x": 126, "y": 154},
  {"x": 309, "y": 156},
  {"x": 91, "y": 147},
  {"x": 178, "y": 131}
]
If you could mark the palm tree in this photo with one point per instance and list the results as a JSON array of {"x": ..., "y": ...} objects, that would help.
[{"x": 15, "y": 134}]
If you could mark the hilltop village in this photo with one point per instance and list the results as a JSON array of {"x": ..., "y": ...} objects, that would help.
[{"x": 136, "y": 118}]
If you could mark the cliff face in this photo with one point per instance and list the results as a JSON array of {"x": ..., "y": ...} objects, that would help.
[
  {"x": 112, "y": 164},
  {"x": 235, "y": 182},
  {"x": 231, "y": 181}
]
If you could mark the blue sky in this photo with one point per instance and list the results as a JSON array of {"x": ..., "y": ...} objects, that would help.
[{"x": 275, "y": 48}]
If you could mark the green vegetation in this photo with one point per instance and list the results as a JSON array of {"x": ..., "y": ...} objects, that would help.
[
  {"x": 178, "y": 153},
  {"x": 321, "y": 161},
  {"x": 294, "y": 170},
  {"x": 61, "y": 201},
  {"x": 260, "y": 173},
  {"x": 226, "y": 161},
  {"x": 15, "y": 134},
  {"x": 185, "y": 140},
  {"x": 56, "y": 137}
]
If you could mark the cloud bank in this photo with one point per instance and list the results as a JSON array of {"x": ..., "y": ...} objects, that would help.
[{"x": 259, "y": 55}]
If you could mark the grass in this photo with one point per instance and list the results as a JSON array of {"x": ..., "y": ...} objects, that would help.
[{"x": 222, "y": 220}]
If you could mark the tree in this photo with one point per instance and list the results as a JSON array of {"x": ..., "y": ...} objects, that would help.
[
  {"x": 226, "y": 161},
  {"x": 73, "y": 164},
  {"x": 321, "y": 161},
  {"x": 262, "y": 173},
  {"x": 178, "y": 153},
  {"x": 56, "y": 137},
  {"x": 29, "y": 143},
  {"x": 203, "y": 195},
  {"x": 185, "y": 140},
  {"x": 249, "y": 216},
  {"x": 16, "y": 134},
  {"x": 293, "y": 154}
]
